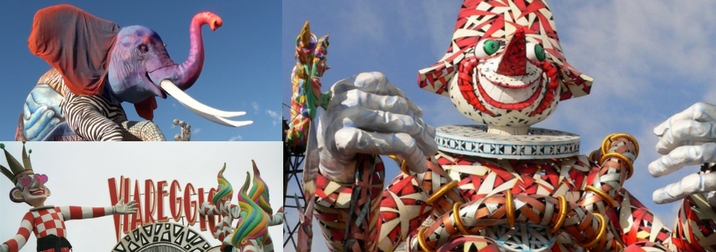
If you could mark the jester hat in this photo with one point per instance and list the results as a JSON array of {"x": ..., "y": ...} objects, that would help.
[
  {"x": 17, "y": 169},
  {"x": 500, "y": 19},
  {"x": 78, "y": 45}
]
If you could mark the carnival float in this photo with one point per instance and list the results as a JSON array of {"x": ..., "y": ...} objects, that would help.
[
  {"x": 96, "y": 66},
  {"x": 497, "y": 185},
  {"x": 153, "y": 207}
]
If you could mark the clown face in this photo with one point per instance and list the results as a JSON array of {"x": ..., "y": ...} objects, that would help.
[
  {"x": 505, "y": 66},
  {"x": 31, "y": 189},
  {"x": 505, "y": 82}
]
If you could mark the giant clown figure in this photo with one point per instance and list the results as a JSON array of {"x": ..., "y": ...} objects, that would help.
[{"x": 500, "y": 185}]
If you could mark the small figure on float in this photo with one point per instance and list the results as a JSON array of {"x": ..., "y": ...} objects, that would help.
[
  {"x": 501, "y": 185},
  {"x": 45, "y": 221},
  {"x": 253, "y": 212}
]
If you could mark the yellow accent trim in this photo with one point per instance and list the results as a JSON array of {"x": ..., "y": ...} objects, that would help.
[
  {"x": 563, "y": 206},
  {"x": 625, "y": 160},
  {"x": 600, "y": 235},
  {"x": 440, "y": 192},
  {"x": 510, "y": 205},
  {"x": 456, "y": 218},
  {"x": 421, "y": 240},
  {"x": 610, "y": 138},
  {"x": 603, "y": 194}
]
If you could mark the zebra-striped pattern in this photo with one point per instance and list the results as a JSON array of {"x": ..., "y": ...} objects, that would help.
[
  {"x": 93, "y": 117},
  {"x": 97, "y": 118}
]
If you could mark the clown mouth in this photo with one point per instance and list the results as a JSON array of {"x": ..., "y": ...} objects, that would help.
[
  {"x": 509, "y": 96},
  {"x": 37, "y": 191},
  {"x": 516, "y": 85}
]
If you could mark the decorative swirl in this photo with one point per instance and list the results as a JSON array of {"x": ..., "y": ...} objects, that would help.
[
  {"x": 259, "y": 193},
  {"x": 224, "y": 191},
  {"x": 253, "y": 224}
]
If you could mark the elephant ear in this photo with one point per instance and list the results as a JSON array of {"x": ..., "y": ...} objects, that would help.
[{"x": 76, "y": 43}]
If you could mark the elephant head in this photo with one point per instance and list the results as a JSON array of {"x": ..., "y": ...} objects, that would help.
[{"x": 129, "y": 64}]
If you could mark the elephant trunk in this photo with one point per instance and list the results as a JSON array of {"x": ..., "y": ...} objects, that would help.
[{"x": 188, "y": 72}]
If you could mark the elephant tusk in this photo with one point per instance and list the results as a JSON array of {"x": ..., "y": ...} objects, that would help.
[{"x": 209, "y": 113}]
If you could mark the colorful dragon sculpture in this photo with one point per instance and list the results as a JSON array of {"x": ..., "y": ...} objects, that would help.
[
  {"x": 253, "y": 212},
  {"x": 501, "y": 185}
]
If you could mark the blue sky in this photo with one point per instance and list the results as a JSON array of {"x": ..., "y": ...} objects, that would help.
[
  {"x": 649, "y": 59},
  {"x": 240, "y": 71}
]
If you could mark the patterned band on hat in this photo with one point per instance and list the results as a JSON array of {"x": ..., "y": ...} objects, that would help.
[{"x": 20, "y": 174}]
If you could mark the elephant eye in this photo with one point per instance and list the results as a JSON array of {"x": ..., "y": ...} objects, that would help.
[{"x": 143, "y": 48}]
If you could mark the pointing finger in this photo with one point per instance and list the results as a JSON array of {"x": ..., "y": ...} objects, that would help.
[
  {"x": 683, "y": 156},
  {"x": 685, "y": 132},
  {"x": 701, "y": 112},
  {"x": 691, "y": 184}
]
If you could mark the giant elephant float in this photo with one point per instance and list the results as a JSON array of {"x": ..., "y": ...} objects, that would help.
[{"x": 97, "y": 65}]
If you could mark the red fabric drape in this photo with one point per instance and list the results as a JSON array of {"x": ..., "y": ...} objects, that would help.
[{"x": 76, "y": 43}]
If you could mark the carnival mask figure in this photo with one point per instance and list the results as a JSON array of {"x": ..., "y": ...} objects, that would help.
[
  {"x": 45, "y": 221},
  {"x": 500, "y": 185}
]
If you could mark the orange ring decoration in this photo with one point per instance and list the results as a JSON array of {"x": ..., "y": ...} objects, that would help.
[
  {"x": 562, "y": 214},
  {"x": 440, "y": 192},
  {"x": 600, "y": 235},
  {"x": 625, "y": 160},
  {"x": 421, "y": 240},
  {"x": 510, "y": 208},
  {"x": 603, "y": 194},
  {"x": 456, "y": 218},
  {"x": 610, "y": 138}
]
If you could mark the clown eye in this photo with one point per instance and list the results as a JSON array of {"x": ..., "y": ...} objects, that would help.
[
  {"x": 487, "y": 48},
  {"x": 491, "y": 47},
  {"x": 536, "y": 52}
]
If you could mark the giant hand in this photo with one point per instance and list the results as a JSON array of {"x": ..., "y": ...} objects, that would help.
[
  {"x": 368, "y": 115},
  {"x": 122, "y": 208},
  {"x": 41, "y": 112},
  {"x": 686, "y": 139}
]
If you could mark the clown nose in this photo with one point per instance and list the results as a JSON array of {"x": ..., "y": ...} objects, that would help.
[{"x": 514, "y": 61}]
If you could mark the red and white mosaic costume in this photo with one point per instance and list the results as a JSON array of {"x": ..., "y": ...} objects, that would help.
[
  {"x": 502, "y": 186},
  {"x": 49, "y": 220}
]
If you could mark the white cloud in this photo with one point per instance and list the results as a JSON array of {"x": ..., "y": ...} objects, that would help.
[
  {"x": 236, "y": 138},
  {"x": 255, "y": 106},
  {"x": 195, "y": 131},
  {"x": 275, "y": 115}
]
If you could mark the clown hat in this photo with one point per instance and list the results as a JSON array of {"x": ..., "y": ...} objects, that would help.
[
  {"x": 499, "y": 19},
  {"x": 17, "y": 169}
]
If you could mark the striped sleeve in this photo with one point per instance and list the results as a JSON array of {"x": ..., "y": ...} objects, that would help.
[
  {"x": 79, "y": 212},
  {"x": 23, "y": 234}
]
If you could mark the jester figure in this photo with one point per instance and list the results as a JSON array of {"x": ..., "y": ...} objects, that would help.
[
  {"x": 45, "y": 221},
  {"x": 254, "y": 214},
  {"x": 499, "y": 185}
]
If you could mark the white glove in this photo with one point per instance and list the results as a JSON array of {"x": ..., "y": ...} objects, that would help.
[
  {"x": 686, "y": 139},
  {"x": 368, "y": 115},
  {"x": 121, "y": 208}
]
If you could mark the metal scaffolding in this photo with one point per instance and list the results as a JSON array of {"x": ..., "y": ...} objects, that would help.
[{"x": 293, "y": 198}]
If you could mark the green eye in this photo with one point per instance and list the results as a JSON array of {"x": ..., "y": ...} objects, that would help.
[
  {"x": 491, "y": 47},
  {"x": 539, "y": 52}
]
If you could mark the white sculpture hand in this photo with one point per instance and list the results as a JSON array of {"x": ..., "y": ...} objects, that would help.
[
  {"x": 686, "y": 139},
  {"x": 4, "y": 248},
  {"x": 129, "y": 208},
  {"x": 368, "y": 115}
]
